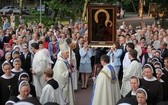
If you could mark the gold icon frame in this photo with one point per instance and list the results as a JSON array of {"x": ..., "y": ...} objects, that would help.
[{"x": 101, "y": 33}]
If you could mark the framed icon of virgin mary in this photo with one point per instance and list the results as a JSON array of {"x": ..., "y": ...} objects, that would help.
[{"x": 101, "y": 25}]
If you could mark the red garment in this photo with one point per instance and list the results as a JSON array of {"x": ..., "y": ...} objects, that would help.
[
  {"x": 54, "y": 48},
  {"x": 144, "y": 51},
  {"x": 10, "y": 42},
  {"x": 1, "y": 53},
  {"x": 46, "y": 45}
]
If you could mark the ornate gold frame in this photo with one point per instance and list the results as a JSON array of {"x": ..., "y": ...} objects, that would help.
[{"x": 108, "y": 13}]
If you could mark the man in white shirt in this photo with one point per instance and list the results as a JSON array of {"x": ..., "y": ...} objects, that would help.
[
  {"x": 50, "y": 91},
  {"x": 126, "y": 60},
  {"x": 39, "y": 64},
  {"x": 134, "y": 69}
]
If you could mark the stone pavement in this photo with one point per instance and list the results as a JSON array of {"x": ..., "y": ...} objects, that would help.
[{"x": 83, "y": 96}]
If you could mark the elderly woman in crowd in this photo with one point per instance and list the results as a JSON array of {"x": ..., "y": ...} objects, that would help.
[{"x": 24, "y": 93}]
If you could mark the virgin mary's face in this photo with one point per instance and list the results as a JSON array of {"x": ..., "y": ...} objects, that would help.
[{"x": 102, "y": 17}]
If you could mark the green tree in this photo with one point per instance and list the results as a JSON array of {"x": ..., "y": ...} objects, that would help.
[
  {"x": 54, "y": 5},
  {"x": 20, "y": 7},
  {"x": 64, "y": 8}
]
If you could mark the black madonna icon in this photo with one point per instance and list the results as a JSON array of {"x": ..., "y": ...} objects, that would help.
[{"x": 102, "y": 24}]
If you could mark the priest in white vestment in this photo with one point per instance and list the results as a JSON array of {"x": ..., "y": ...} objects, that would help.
[
  {"x": 72, "y": 60},
  {"x": 106, "y": 90},
  {"x": 39, "y": 64},
  {"x": 62, "y": 74},
  {"x": 134, "y": 69},
  {"x": 46, "y": 51}
]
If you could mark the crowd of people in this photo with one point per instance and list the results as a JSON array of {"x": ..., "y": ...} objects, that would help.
[
  {"x": 45, "y": 65},
  {"x": 41, "y": 63},
  {"x": 142, "y": 64}
]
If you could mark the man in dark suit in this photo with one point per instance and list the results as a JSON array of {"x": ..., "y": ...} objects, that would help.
[
  {"x": 164, "y": 50},
  {"x": 26, "y": 58},
  {"x": 79, "y": 45},
  {"x": 122, "y": 41}
]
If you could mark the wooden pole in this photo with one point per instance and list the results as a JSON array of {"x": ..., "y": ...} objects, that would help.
[
  {"x": 140, "y": 14},
  {"x": 84, "y": 10},
  {"x": 21, "y": 7}
]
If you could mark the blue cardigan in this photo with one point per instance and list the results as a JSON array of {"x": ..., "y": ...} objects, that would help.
[{"x": 85, "y": 56}]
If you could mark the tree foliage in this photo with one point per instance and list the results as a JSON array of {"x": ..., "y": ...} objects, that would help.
[
  {"x": 74, "y": 8},
  {"x": 65, "y": 8},
  {"x": 162, "y": 7}
]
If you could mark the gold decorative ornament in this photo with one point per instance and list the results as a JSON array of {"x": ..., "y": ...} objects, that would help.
[{"x": 107, "y": 17}]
